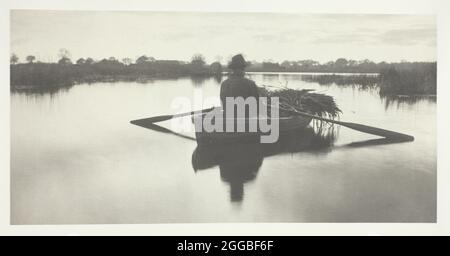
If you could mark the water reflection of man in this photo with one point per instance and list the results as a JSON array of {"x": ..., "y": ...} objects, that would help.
[{"x": 238, "y": 167}]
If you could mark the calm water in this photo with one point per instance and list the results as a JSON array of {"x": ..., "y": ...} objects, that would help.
[{"x": 75, "y": 158}]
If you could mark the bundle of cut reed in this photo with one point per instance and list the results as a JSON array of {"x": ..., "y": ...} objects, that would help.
[{"x": 305, "y": 100}]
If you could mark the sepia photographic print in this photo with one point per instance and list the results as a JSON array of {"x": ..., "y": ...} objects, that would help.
[{"x": 162, "y": 117}]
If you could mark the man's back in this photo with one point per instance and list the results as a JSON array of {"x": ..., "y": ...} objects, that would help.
[{"x": 238, "y": 86}]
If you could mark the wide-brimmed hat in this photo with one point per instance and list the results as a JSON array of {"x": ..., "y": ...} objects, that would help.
[{"x": 237, "y": 62}]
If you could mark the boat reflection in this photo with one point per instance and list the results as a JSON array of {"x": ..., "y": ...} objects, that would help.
[{"x": 239, "y": 163}]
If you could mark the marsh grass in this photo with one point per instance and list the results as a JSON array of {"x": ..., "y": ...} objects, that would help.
[
  {"x": 418, "y": 81},
  {"x": 412, "y": 79},
  {"x": 363, "y": 81}
]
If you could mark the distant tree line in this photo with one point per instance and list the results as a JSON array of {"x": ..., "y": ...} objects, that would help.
[
  {"x": 394, "y": 78},
  {"x": 341, "y": 65},
  {"x": 65, "y": 72},
  {"x": 407, "y": 78}
]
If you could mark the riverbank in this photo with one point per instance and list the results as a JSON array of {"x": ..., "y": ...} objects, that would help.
[
  {"x": 394, "y": 79},
  {"x": 53, "y": 74}
]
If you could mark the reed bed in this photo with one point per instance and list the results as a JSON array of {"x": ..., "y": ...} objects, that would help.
[{"x": 363, "y": 81}]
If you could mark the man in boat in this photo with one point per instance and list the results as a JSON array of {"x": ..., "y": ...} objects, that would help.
[
  {"x": 240, "y": 102},
  {"x": 237, "y": 85}
]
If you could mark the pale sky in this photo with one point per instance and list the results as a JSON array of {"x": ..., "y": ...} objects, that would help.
[{"x": 259, "y": 36}]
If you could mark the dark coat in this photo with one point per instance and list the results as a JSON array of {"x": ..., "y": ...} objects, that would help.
[{"x": 238, "y": 86}]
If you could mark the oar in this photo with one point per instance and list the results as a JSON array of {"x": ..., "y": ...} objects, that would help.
[
  {"x": 156, "y": 119},
  {"x": 155, "y": 127},
  {"x": 358, "y": 127}
]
